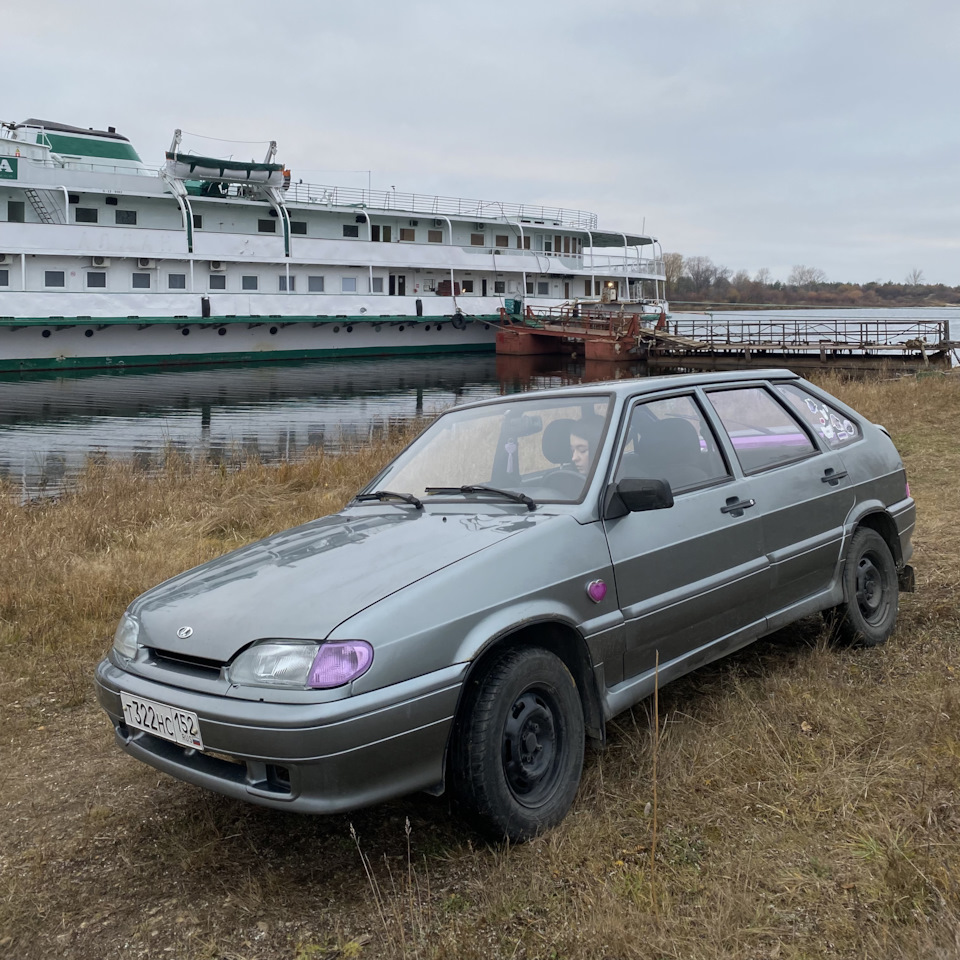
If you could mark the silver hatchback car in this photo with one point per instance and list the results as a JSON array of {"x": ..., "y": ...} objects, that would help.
[{"x": 526, "y": 569}]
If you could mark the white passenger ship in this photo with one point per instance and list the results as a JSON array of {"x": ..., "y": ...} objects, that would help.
[{"x": 105, "y": 261}]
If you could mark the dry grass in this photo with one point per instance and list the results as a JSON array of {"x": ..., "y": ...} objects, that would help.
[{"x": 807, "y": 798}]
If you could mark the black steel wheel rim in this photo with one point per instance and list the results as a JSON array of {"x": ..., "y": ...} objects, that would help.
[
  {"x": 871, "y": 596},
  {"x": 532, "y": 747}
]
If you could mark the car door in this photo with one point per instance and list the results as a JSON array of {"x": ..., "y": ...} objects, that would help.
[
  {"x": 695, "y": 573},
  {"x": 802, "y": 490}
]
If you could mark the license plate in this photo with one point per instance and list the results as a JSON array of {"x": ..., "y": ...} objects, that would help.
[{"x": 170, "y": 723}]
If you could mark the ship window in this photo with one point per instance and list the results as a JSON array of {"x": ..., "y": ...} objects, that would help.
[
  {"x": 96, "y": 278},
  {"x": 523, "y": 243},
  {"x": 587, "y": 284},
  {"x": 376, "y": 284},
  {"x": 15, "y": 211},
  {"x": 218, "y": 281},
  {"x": 351, "y": 230},
  {"x": 434, "y": 236},
  {"x": 476, "y": 239},
  {"x": 267, "y": 226},
  {"x": 85, "y": 215},
  {"x": 197, "y": 221},
  {"x": 499, "y": 286},
  {"x": 348, "y": 284},
  {"x": 566, "y": 245},
  {"x": 249, "y": 283},
  {"x": 547, "y": 246},
  {"x": 177, "y": 281},
  {"x": 315, "y": 284},
  {"x": 557, "y": 243},
  {"x": 126, "y": 218},
  {"x": 4, "y": 278},
  {"x": 529, "y": 287},
  {"x": 408, "y": 234},
  {"x": 54, "y": 278},
  {"x": 298, "y": 226},
  {"x": 282, "y": 279},
  {"x": 503, "y": 240},
  {"x": 141, "y": 281},
  {"x": 543, "y": 289},
  {"x": 466, "y": 286}
]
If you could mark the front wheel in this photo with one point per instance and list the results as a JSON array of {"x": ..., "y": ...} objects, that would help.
[
  {"x": 868, "y": 614},
  {"x": 518, "y": 749}
]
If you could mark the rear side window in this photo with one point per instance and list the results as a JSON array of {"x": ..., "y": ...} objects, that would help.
[
  {"x": 835, "y": 429},
  {"x": 671, "y": 440},
  {"x": 763, "y": 434}
]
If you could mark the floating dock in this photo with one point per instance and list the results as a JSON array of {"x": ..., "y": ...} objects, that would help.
[{"x": 614, "y": 332}]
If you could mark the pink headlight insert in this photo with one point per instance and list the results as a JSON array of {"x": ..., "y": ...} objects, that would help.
[{"x": 339, "y": 662}]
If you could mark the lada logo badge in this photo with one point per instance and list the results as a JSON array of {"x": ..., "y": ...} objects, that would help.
[{"x": 184, "y": 632}]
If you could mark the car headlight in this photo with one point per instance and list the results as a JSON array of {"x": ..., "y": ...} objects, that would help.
[
  {"x": 303, "y": 664},
  {"x": 125, "y": 639}
]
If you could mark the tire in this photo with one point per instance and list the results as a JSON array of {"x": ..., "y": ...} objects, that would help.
[
  {"x": 868, "y": 614},
  {"x": 518, "y": 749}
]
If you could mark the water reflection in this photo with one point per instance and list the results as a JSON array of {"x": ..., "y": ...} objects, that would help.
[{"x": 50, "y": 425}]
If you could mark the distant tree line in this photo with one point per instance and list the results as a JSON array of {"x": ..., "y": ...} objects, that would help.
[{"x": 700, "y": 280}]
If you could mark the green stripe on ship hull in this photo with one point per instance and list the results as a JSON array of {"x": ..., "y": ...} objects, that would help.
[{"x": 246, "y": 356}]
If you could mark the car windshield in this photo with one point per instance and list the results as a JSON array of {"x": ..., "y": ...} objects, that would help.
[{"x": 544, "y": 449}]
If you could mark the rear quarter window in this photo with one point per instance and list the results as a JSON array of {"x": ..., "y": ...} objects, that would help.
[{"x": 834, "y": 428}]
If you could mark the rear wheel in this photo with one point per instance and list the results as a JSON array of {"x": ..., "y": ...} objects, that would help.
[
  {"x": 868, "y": 614},
  {"x": 518, "y": 749}
]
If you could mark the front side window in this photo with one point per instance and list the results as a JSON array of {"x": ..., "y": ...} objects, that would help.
[
  {"x": 267, "y": 226},
  {"x": 671, "y": 440},
  {"x": 467, "y": 286},
  {"x": 126, "y": 218},
  {"x": 763, "y": 434},
  {"x": 476, "y": 239},
  {"x": 177, "y": 281},
  {"x": 96, "y": 278},
  {"x": 833, "y": 427},
  {"x": 376, "y": 285},
  {"x": 284, "y": 285},
  {"x": 348, "y": 284},
  {"x": 544, "y": 448},
  {"x": 141, "y": 281},
  {"x": 543, "y": 288},
  {"x": 407, "y": 235},
  {"x": 351, "y": 230},
  {"x": 499, "y": 286},
  {"x": 85, "y": 215},
  {"x": 54, "y": 278},
  {"x": 298, "y": 227},
  {"x": 218, "y": 281},
  {"x": 315, "y": 284},
  {"x": 4, "y": 278},
  {"x": 249, "y": 283},
  {"x": 434, "y": 236}
]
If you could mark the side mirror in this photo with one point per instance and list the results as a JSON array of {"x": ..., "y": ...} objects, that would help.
[{"x": 632, "y": 495}]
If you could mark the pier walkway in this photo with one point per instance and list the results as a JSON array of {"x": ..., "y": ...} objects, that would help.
[{"x": 615, "y": 332}]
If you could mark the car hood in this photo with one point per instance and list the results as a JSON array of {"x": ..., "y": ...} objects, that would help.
[{"x": 305, "y": 581}]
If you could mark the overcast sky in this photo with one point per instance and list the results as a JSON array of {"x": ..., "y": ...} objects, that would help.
[{"x": 759, "y": 133}]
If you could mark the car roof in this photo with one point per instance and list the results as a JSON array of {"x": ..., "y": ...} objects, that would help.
[{"x": 640, "y": 385}]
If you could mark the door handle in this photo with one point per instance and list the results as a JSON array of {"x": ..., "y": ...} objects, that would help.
[
  {"x": 736, "y": 506},
  {"x": 832, "y": 476}
]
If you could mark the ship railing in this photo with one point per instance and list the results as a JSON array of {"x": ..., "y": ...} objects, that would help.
[
  {"x": 614, "y": 264},
  {"x": 851, "y": 331},
  {"x": 432, "y": 205}
]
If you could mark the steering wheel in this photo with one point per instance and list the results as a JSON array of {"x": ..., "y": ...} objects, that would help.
[{"x": 566, "y": 481}]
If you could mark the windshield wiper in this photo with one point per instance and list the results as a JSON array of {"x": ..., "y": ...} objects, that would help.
[
  {"x": 390, "y": 495},
  {"x": 482, "y": 488}
]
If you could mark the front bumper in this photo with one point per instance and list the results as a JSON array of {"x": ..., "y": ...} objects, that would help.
[{"x": 314, "y": 758}]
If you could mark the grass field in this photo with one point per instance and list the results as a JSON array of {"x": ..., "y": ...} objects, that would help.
[{"x": 807, "y": 798}]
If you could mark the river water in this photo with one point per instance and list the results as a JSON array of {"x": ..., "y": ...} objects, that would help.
[{"x": 50, "y": 425}]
